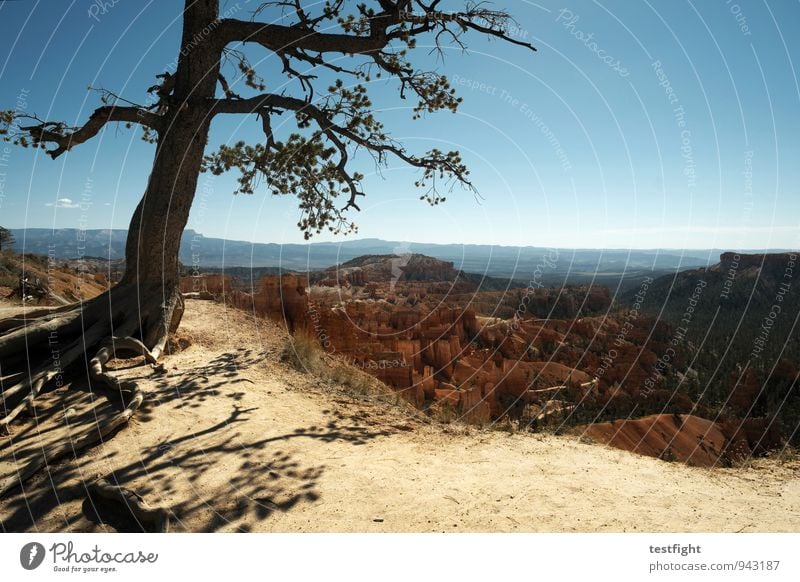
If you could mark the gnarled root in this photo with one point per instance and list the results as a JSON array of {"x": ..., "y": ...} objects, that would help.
[
  {"x": 109, "y": 349},
  {"x": 130, "y": 319},
  {"x": 200, "y": 295},
  {"x": 153, "y": 519}
]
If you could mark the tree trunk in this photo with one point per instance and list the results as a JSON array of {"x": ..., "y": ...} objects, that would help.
[
  {"x": 156, "y": 228},
  {"x": 157, "y": 224},
  {"x": 151, "y": 253}
]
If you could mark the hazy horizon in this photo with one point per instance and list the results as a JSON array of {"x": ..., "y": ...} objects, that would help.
[{"x": 350, "y": 239}]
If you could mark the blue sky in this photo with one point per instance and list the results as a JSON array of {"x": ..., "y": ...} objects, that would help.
[{"x": 635, "y": 125}]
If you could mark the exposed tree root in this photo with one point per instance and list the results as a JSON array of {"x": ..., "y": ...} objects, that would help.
[
  {"x": 18, "y": 320},
  {"x": 201, "y": 295},
  {"x": 33, "y": 384},
  {"x": 128, "y": 319},
  {"x": 74, "y": 442},
  {"x": 155, "y": 519},
  {"x": 108, "y": 351}
]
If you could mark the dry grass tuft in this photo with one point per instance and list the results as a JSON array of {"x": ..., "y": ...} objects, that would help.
[{"x": 304, "y": 353}]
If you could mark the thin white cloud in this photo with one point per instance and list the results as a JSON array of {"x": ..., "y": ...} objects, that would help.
[{"x": 63, "y": 203}]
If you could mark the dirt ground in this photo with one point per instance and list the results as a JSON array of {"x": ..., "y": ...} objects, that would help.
[{"x": 234, "y": 439}]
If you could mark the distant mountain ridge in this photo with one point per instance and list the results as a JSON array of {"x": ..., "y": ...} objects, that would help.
[
  {"x": 741, "y": 286},
  {"x": 529, "y": 264}
]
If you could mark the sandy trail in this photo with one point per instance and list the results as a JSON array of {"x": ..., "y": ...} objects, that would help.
[{"x": 235, "y": 440}]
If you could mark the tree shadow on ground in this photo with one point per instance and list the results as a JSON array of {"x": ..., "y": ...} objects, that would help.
[
  {"x": 212, "y": 478},
  {"x": 194, "y": 386}
]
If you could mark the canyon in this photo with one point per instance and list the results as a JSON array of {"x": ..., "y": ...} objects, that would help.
[{"x": 459, "y": 346}]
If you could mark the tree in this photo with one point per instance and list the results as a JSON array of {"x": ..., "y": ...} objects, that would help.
[
  {"x": 313, "y": 163},
  {"x": 6, "y": 238}
]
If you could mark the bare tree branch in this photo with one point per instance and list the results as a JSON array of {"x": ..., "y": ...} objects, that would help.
[
  {"x": 64, "y": 137},
  {"x": 276, "y": 37},
  {"x": 374, "y": 30}
]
